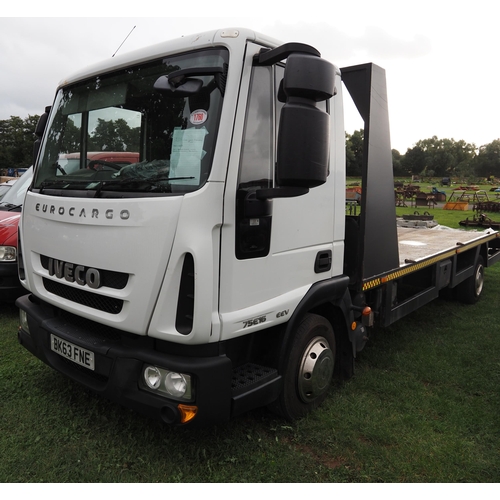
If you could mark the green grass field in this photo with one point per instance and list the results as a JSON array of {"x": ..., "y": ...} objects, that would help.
[{"x": 423, "y": 407}]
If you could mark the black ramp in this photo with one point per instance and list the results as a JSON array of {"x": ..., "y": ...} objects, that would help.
[{"x": 377, "y": 239}]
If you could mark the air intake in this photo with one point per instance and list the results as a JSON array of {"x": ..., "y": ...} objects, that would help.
[
  {"x": 185, "y": 303},
  {"x": 20, "y": 260}
]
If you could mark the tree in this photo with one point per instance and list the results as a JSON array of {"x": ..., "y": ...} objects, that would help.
[
  {"x": 16, "y": 141},
  {"x": 443, "y": 157},
  {"x": 354, "y": 153},
  {"x": 114, "y": 135},
  {"x": 465, "y": 156},
  {"x": 397, "y": 164},
  {"x": 487, "y": 162},
  {"x": 71, "y": 137},
  {"x": 413, "y": 161}
]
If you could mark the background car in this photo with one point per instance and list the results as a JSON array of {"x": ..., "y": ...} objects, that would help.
[
  {"x": 5, "y": 186},
  {"x": 10, "y": 213},
  {"x": 70, "y": 162}
]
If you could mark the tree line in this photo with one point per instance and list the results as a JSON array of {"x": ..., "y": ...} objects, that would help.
[
  {"x": 17, "y": 139},
  {"x": 16, "y": 142},
  {"x": 431, "y": 157}
]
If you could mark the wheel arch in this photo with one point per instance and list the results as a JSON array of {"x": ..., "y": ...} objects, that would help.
[{"x": 330, "y": 299}]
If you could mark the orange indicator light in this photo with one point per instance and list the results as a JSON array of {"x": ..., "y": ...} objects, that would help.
[
  {"x": 367, "y": 311},
  {"x": 187, "y": 412}
]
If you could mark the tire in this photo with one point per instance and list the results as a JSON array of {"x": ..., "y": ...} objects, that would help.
[
  {"x": 469, "y": 291},
  {"x": 309, "y": 368}
]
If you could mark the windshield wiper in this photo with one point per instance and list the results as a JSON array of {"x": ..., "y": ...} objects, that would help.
[
  {"x": 62, "y": 184},
  {"x": 9, "y": 206},
  {"x": 13, "y": 207},
  {"x": 152, "y": 182},
  {"x": 98, "y": 186}
]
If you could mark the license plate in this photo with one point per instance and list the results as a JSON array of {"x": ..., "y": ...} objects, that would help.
[{"x": 70, "y": 351}]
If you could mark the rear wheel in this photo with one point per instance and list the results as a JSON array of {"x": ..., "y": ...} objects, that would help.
[
  {"x": 309, "y": 368},
  {"x": 470, "y": 290}
]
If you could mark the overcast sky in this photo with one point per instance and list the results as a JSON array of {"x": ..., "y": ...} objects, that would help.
[{"x": 441, "y": 57}]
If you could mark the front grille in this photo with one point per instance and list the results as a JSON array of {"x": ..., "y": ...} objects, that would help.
[
  {"x": 89, "y": 299},
  {"x": 109, "y": 279}
]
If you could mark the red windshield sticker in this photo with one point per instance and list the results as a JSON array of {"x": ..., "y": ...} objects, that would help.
[{"x": 198, "y": 117}]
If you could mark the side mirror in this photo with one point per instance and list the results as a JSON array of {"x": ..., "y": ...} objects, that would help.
[
  {"x": 304, "y": 132},
  {"x": 39, "y": 130}
]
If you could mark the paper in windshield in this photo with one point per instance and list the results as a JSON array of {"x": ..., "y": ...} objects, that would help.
[{"x": 187, "y": 153}]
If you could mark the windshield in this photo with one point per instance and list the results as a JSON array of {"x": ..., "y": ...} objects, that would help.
[
  {"x": 147, "y": 130},
  {"x": 14, "y": 198}
]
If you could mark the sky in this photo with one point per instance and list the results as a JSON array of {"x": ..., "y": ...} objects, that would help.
[{"x": 441, "y": 57}]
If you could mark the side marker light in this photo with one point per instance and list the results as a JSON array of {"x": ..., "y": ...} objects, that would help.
[{"x": 187, "y": 412}]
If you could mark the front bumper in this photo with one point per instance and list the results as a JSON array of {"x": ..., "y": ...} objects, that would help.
[{"x": 119, "y": 361}]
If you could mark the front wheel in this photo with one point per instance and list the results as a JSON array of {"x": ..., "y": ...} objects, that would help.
[
  {"x": 309, "y": 368},
  {"x": 470, "y": 290}
]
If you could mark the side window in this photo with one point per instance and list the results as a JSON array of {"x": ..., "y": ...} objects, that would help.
[
  {"x": 253, "y": 216},
  {"x": 256, "y": 164}
]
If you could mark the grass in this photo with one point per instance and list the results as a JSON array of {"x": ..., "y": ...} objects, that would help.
[{"x": 422, "y": 408}]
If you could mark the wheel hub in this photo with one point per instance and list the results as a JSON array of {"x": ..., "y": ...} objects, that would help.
[
  {"x": 479, "y": 280},
  {"x": 316, "y": 369}
]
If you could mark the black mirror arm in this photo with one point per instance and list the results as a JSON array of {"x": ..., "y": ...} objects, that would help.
[{"x": 268, "y": 57}]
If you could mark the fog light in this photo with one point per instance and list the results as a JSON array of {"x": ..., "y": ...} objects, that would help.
[
  {"x": 175, "y": 384},
  {"x": 23, "y": 320},
  {"x": 152, "y": 376}
]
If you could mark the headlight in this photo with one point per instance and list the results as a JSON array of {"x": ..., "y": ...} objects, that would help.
[
  {"x": 152, "y": 376},
  {"x": 176, "y": 384},
  {"x": 167, "y": 383},
  {"x": 8, "y": 254}
]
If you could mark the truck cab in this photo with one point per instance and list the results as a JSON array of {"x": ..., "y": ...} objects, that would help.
[{"x": 200, "y": 252}]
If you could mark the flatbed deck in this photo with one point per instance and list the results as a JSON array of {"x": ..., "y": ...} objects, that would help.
[{"x": 419, "y": 244}]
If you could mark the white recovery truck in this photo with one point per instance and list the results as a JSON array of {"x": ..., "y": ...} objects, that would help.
[{"x": 220, "y": 273}]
